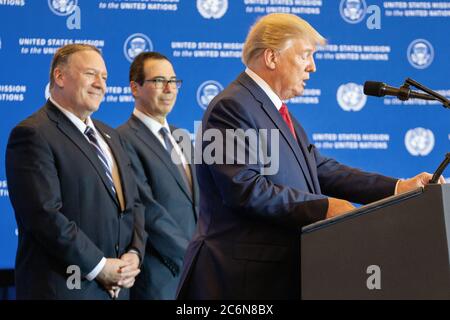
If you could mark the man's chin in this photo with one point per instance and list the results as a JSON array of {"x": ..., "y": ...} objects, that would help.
[
  {"x": 297, "y": 93},
  {"x": 300, "y": 92},
  {"x": 94, "y": 107}
]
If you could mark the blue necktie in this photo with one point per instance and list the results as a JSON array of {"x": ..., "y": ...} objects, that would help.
[{"x": 89, "y": 132}]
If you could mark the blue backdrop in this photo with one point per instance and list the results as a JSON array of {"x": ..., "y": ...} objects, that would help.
[{"x": 368, "y": 40}]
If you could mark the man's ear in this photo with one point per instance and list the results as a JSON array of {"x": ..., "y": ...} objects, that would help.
[
  {"x": 134, "y": 85},
  {"x": 270, "y": 58},
  {"x": 58, "y": 76}
]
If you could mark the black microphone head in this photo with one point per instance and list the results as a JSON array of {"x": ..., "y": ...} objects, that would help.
[{"x": 374, "y": 88}]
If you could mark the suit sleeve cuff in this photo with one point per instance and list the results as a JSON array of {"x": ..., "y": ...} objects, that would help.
[{"x": 94, "y": 273}]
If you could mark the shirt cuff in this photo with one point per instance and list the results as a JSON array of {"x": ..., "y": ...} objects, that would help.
[
  {"x": 94, "y": 273},
  {"x": 135, "y": 252},
  {"x": 396, "y": 187}
]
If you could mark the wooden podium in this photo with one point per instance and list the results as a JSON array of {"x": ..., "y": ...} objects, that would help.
[{"x": 395, "y": 248}]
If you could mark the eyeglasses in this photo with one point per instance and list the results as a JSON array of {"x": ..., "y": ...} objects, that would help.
[{"x": 160, "y": 83}]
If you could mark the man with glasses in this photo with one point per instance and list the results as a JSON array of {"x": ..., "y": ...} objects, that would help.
[{"x": 166, "y": 180}]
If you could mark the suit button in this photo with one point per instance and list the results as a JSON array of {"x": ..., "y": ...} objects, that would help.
[
  {"x": 121, "y": 215},
  {"x": 117, "y": 248}
]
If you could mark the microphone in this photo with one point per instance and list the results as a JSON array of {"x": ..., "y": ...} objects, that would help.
[
  {"x": 440, "y": 169},
  {"x": 380, "y": 89}
]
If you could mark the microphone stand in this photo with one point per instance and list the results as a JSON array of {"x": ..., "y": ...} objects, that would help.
[
  {"x": 436, "y": 96},
  {"x": 440, "y": 169},
  {"x": 446, "y": 104}
]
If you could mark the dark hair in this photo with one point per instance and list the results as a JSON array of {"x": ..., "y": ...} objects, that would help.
[
  {"x": 137, "y": 66},
  {"x": 62, "y": 55}
]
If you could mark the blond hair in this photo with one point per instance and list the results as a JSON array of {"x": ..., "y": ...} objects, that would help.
[
  {"x": 274, "y": 31},
  {"x": 62, "y": 55}
]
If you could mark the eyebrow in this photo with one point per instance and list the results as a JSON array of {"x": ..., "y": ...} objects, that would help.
[
  {"x": 308, "y": 51},
  {"x": 161, "y": 77},
  {"x": 94, "y": 69}
]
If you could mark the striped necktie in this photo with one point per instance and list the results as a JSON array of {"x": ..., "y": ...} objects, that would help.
[{"x": 90, "y": 133}]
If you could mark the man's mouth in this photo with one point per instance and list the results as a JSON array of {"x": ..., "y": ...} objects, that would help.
[
  {"x": 167, "y": 100},
  {"x": 304, "y": 81},
  {"x": 97, "y": 94}
]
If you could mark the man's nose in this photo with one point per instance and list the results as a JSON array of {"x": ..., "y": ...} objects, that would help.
[
  {"x": 311, "y": 65},
  {"x": 99, "y": 82},
  {"x": 168, "y": 87}
]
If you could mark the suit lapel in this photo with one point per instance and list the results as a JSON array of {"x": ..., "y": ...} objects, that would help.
[
  {"x": 71, "y": 131},
  {"x": 181, "y": 169},
  {"x": 149, "y": 139},
  {"x": 309, "y": 160},
  {"x": 272, "y": 112},
  {"x": 195, "y": 188}
]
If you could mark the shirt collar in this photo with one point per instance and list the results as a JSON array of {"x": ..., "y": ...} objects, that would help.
[
  {"x": 73, "y": 118},
  {"x": 265, "y": 87},
  {"x": 151, "y": 123}
]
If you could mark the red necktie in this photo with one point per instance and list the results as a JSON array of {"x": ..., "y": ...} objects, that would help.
[{"x": 287, "y": 118}]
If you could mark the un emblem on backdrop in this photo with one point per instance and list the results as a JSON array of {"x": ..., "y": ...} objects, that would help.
[
  {"x": 353, "y": 11},
  {"x": 62, "y": 7},
  {"x": 135, "y": 44},
  {"x": 212, "y": 8},
  {"x": 207, "y": 91},
  {"x": 419, "y": 141},
  {"x": 420, "y": 53},
  {"x": 350, "y": 97}
]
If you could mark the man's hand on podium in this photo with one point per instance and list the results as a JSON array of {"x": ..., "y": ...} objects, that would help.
[
  {"x": 337, "y": 207},
  {"x": 418, "y": 181}
]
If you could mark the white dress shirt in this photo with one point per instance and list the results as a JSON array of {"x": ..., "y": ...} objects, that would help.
[{"x": 266, "y": 88}]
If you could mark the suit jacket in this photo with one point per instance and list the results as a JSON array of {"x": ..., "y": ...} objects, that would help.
[
  {"x": 171, "y": 211},
  {"x": 65, "y": 212},
  {"x": 247, "y": 245}
]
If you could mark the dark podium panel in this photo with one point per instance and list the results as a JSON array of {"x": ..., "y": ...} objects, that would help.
[{"x": 406, "y": 238}]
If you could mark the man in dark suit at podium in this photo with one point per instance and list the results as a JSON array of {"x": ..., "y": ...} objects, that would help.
[
  {"x": 80, "y": 220},
  {"x": 247, "y": 245},
  {"x": 168, "y": 189}
]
